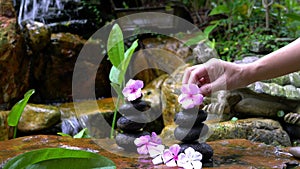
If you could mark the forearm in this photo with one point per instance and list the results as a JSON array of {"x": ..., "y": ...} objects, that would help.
[{"x": 283, "y": 61}]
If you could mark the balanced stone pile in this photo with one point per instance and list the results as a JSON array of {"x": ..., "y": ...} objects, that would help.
[
  {"x": 131, "y": 123},
  {"x": 190, "y": 129}
]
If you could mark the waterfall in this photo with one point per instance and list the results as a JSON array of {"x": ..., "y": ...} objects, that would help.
[{"x": 38, "y": 10}]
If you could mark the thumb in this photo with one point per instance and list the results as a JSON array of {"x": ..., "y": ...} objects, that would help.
[{"x": 209, "y": 88}]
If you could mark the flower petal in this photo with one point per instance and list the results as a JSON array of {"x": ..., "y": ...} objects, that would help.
[
  {"x": 156, "y": 151},
  {"x": 142, "y": 150},
  {"x": 182, "y": 159},
  {"x": 139, "y": 84},
  {"x": 197, "y": 156},
  {"x": 171, "y": 163},
  {"x": 190, "y": 89},
  {"x": 189, "y": 152},
  {"x": 142, "y": 140},
  {"x": 157, "y": 160},
  {"x": 187, "y": 104},
  {"x": 175, "y": 149},
  {"x": 197, "y": 99},
  {"x": 155, "y": 138},
  {"x": 197, "y": 164},
  {"x": 167, "y": 156}
]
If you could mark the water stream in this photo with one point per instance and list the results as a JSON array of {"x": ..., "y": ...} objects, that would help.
[{"x": 56, "y": 14}]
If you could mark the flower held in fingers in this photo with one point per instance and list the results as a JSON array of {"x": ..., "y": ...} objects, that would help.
[{"x": 190, "y": 96}]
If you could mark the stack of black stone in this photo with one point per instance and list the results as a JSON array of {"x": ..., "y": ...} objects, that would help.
[
  {"x": 131, "y": 123},
  {"x": 190, "y": 129}
]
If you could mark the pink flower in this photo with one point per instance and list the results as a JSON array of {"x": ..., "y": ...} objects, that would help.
[
  {"x": 133, "y": 89},
  {"x": 147, "y": 142},
  {"x": 190, "y": 96},
  {"x": 170, "y": 156}
]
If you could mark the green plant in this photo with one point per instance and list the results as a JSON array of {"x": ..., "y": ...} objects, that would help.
[
  {"x": 59, "y": 158},
  {"x": 82, "y": 134},
  {"x": 120, "y": 61},
  {"x": 17, "y": 110}
]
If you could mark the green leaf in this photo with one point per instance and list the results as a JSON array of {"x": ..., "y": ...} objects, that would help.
[
  {"x": 17, "y": 110},
  {"x": 82, "y": 134},
  {"x": 115, "y": 46},
  {"x": 64, "y": 134},
  {"x": 196, "y": 39},
  {"x": 127, "y": 58},
  {"x": 61, "y": 158},
  {"x": 209, "y": 29},
  {"x": 115, "y": 75},
  {"x": 293, "y": 16},
  {"x": 117, "y": 89},
  {"x": 221, "y": 9}
]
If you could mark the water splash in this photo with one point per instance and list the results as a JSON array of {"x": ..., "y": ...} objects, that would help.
[{"x": 38, "y": 10}]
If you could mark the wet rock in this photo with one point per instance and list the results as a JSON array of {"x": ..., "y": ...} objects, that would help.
[
  {"x": 230, "y": 153},
  {"x": 7, "y": 9},
  {"x": 132, "y": 113},
  {"x": 38, "y": 117},
  {"x": 14, "y": 63},
  {"x": 255, "y": 129},
  {"x": 54, "y": 67},
  {"x": 295, "y": 151},
  {"x": 190, "y": 134},
  {"x": 126, "y": 140},
  {"x": 37, "y": 35},
  {"x": 293, "y": 131},
  {"x": 127, "y": 125},
  {"x": 262, "y": 107},
  {"x": 204, "y": 148},
  {"x": 188, "y": 118},
  {"x": 4, "y": 128}
]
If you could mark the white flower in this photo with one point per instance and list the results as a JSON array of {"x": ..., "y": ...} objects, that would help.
[
  {"x": 156, "y": 153},
  {"x": 190, "y": 159}
]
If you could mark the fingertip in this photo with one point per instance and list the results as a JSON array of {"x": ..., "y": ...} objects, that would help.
[{"x": 205, "y": 89}]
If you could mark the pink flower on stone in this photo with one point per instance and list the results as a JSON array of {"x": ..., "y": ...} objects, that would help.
[
  {"x": 133, "y": 89},
  {"x": 170, "y": 156},
  {"x": 190, "y": 96},
  {"x": 147, "y": 142}
]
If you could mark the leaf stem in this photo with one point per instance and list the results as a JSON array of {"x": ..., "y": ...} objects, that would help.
[{"x": 114, "y": 118}]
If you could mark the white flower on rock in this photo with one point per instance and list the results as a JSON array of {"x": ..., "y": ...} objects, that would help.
[{"x": 190, "y": 159}]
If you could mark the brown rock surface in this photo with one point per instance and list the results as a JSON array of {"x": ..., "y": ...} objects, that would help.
[
  {"x": 14, "y": 63},
  {"x": 234, "y": 153}
]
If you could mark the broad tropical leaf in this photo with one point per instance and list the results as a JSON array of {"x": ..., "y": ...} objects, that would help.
[
  {"x": 115, "y": 46},
  {"x": 61, "y": 158}
]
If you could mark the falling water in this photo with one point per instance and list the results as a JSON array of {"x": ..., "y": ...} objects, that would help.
[{"x": 38, "y": 10}]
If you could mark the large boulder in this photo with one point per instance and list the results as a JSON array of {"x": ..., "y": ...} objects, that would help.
[{"x": 14, "y": 64}]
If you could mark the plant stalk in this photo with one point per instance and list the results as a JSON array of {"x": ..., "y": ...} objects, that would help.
[{"x": 114, "y": 118}]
